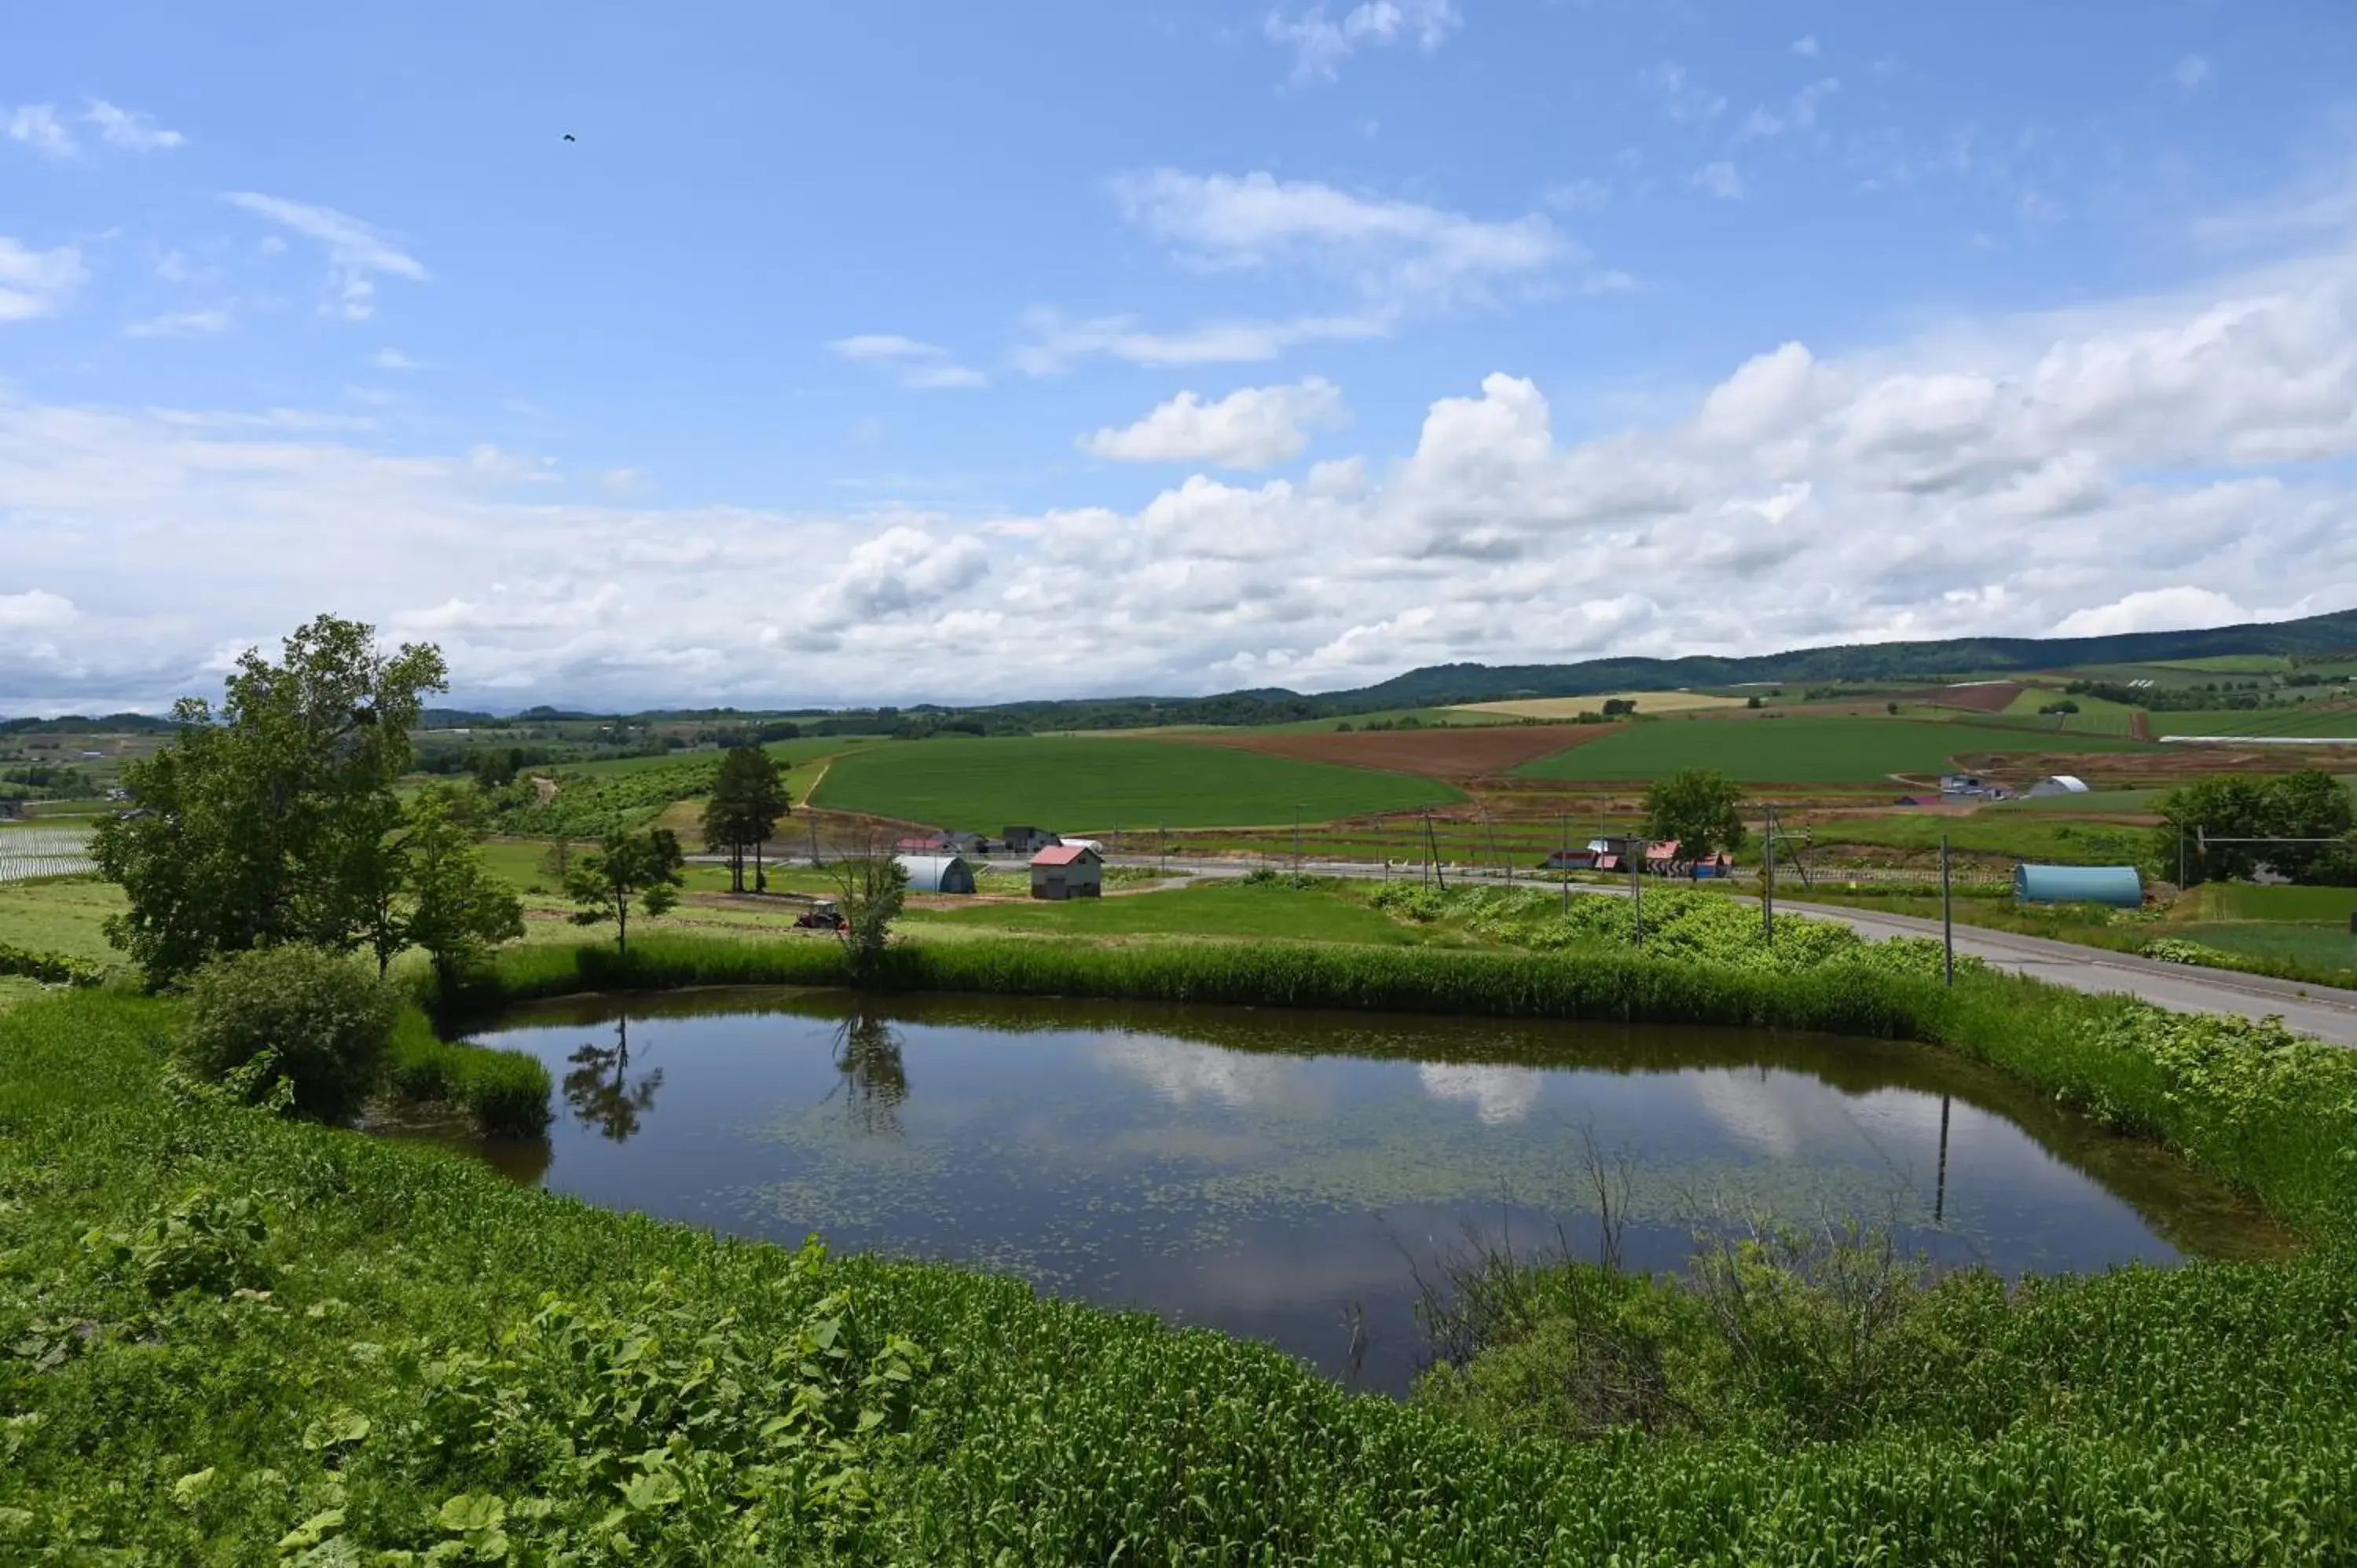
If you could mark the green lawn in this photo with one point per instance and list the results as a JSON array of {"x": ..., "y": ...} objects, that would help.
[
  {"x": 1323, "y": 913},
  {"x": 1078, "y": 785},
  {"x": 1798, "y": 750}
]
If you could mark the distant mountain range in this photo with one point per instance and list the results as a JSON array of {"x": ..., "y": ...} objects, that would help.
[{"x": 1443, "y": 685}]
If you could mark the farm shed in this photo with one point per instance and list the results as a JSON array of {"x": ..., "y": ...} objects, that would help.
[
  {"x": 1569, "y": 860},
  {"x": 937, "y": 872},
  {"x": 923, "y": 843},
  {"x": 2058, "y": 784},
  {"x": 1068, "y": 870},
  {"x": 2118, "y": 886},
  {"x": 1023, "y": 840}
]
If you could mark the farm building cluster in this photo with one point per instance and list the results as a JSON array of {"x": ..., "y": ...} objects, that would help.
[
  {"x": 1654, "y": 857},
  {"x": 1060, "y": 867}
]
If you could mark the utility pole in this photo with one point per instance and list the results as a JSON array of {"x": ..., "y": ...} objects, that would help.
[
  {"x": 1162, "y": 844},
  {"x": 1767, "y": 882},
  {"x": 1636, "y": 890},
  {"x": 1563, "y": 845},
  {"x": 1432, "y": 842},
  {"x": 1948, "y": 944},
  {"x": 1296, "y": 838},
  {"x": 2180, "y": 858}
]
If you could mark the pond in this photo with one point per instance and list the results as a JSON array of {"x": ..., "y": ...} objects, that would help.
[{"x": 1290, "y": 1175}]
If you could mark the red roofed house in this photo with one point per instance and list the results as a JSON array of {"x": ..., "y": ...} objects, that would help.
[{"x": 1068, "y": 870}]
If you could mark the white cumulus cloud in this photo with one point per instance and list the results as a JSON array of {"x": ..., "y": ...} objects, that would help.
[
  {"x": 1251, "y": 427},
  {"x": 2176, "y": 608}
]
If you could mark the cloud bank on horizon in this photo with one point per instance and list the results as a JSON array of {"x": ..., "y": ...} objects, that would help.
[{"x": 1789, "y": 338}]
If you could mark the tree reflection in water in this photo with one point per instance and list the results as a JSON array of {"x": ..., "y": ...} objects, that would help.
[
  {"x": 875, "y": 1081},
  {"x": 601, "y": 1090}
]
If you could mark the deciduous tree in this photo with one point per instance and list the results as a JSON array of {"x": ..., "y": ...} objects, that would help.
[
  {"x": 626, "y": 865},
  {"x": 1699, "y": 808},
  {"x": 871, "y": 885},
  {"x": 457, "y": 910},
  {"x": 266, "y": 821}
]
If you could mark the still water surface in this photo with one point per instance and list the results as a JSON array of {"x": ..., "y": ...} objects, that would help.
[{"x": 1281, "y": 1174}]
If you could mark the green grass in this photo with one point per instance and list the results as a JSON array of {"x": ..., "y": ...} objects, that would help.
[
  {"x": 2246, "y": 901},
  {"x": 231, "y": 1338},
  {"x": 64, "y": 917},
  {"x": 1796, "y": 751},
  {"x": 2027, "y": 836},
  {"x": 1075, "y": 785},
  {"x": 2096, "y": 716},
  {"x": 1327, "y": 912},
  {"x": 2327, "y": 952}
]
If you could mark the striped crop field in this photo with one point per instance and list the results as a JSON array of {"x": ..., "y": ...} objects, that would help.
[{"x": 28, "y": 853}]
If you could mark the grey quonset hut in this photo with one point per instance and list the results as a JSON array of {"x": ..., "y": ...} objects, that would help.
[{"x": 937, "y": 872}]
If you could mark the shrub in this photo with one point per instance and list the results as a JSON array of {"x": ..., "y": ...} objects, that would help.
[
  {"x": 50, "y": 969},
  {"x": 327, "y": 1022},
  {"x": 506, "y": 1092}
]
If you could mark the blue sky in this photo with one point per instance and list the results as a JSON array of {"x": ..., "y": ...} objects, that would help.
[{"x": 984, "y": 352}]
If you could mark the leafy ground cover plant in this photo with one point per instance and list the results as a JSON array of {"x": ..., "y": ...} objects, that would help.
[{"x": 412, "y": 1357}]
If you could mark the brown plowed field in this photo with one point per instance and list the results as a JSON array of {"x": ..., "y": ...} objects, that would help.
[
  {"x": 1981, "y": 697},
  {"x": 1453, "y": 754}
]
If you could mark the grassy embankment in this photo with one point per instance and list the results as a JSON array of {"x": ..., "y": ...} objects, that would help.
[{"x": 239, "y": 1339}]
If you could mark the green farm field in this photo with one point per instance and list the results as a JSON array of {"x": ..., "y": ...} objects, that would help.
[
  {"x": 1077, "y": 784},
  {"x": 1798, "y": 750},
  {"x": 2331, "y": 721},
  {"x": 792, "y": 753}
]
